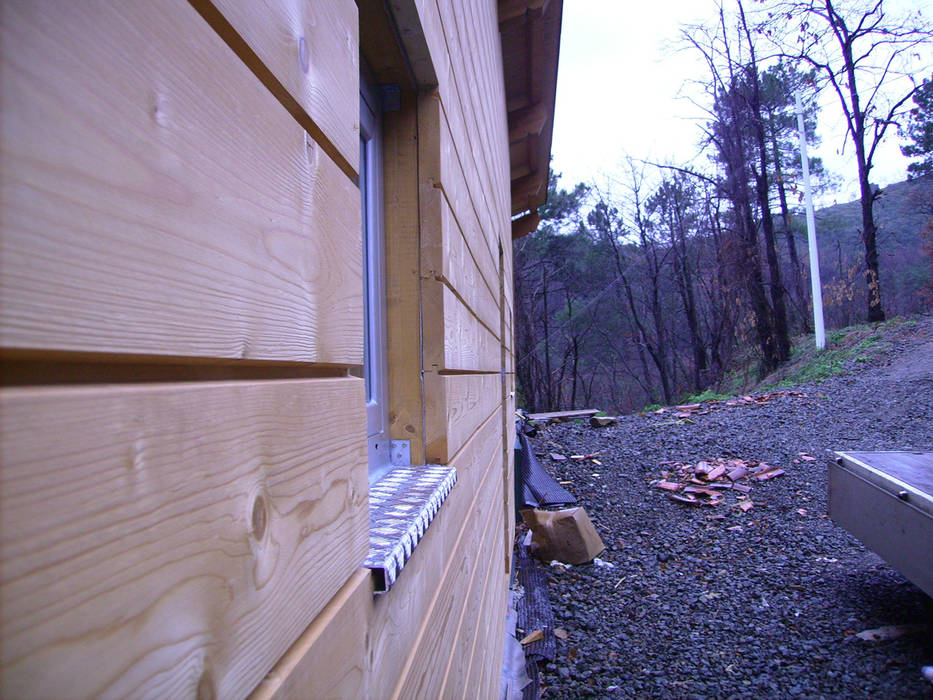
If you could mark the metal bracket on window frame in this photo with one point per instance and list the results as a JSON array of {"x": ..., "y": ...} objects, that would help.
[{"x": 401, "y": 453}]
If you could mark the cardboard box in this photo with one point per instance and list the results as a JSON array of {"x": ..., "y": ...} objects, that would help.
[{"x": 565, "y": 535}]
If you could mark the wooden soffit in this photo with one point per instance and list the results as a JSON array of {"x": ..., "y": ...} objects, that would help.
[{"x": 530, "y": 35}]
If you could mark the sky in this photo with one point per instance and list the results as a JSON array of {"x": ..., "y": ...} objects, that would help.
[{"x": 623, "y": 89}]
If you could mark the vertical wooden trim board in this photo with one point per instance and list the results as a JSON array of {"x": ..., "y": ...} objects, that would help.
[{"x": 403, "y": 282}]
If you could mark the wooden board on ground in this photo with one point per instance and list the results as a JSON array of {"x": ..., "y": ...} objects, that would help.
[
  {"x": 173, "y": 539},
  {"x": 157, "y": 200},
  {"x": 562, "y": 415}
]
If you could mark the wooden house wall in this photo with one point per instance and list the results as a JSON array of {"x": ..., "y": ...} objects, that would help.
[{"x": 183, "y": 470}]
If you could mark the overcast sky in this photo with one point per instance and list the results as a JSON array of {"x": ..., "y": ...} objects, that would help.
[{"x": 622, "y": 90}]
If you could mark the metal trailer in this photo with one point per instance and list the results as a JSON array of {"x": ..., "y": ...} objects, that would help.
[{"x": 885, "y": 499}]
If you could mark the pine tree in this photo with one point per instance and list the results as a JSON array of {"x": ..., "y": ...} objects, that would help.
[{"x": 920, "y": 132}]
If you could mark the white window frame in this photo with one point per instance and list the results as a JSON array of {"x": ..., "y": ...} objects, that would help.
[{"x": 375, "y": 363}]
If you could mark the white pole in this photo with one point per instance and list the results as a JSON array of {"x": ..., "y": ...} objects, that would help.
[{"x": 815, "y": 285}]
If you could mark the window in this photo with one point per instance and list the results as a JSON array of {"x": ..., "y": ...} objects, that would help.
[
  {"x": 375, "y": 368},
  {"x": 403, "y": 499}
]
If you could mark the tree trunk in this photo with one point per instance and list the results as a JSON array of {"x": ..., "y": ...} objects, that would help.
[
  {"x": 796, "y": 273},
  {"x": 869, "y": 238},
  {"x": 857, "y": 127},
  {"x": 548, "y": 389}
]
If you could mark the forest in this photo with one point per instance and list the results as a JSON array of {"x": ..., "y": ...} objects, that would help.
[{"x": 676, "y": 278}]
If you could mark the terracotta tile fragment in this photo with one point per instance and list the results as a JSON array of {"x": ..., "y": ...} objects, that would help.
[
  {"x": 716, "y": 472},
  {"x": 737, "y": 473},
  {"x": 770, "y": 474}
]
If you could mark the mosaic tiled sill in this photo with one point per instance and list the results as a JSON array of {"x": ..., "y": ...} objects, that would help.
[{"x": 401, "y": 506}]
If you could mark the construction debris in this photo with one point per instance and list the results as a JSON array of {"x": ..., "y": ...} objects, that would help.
[
  {"x": 532, "y": 637},
  {"x": 705, "y": 482},
  {"x": 582, "y": 457},
  {"x": 888, "y": 632},
  {"x": 558, "y": 416},
  {"x": 565, "y": 535},
  {"x": 688, "y": 410}
]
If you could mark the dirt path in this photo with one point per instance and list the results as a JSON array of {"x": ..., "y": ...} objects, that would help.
[{"x": 915, "y": 363}]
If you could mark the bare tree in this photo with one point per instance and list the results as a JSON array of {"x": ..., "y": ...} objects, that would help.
[
  {"x": 737, "y": 133},
  {"x": 864, "y": 55}
]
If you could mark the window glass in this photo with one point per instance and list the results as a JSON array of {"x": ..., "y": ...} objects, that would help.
[{"x": 375, "y": 368}]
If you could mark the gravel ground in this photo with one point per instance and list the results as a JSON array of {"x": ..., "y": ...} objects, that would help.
[{"x": 697, "y": 607}]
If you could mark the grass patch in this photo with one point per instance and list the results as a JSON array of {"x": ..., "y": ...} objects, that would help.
[
  {"x": 845, "y": 348},
  {"x": 708, "y": 395}
]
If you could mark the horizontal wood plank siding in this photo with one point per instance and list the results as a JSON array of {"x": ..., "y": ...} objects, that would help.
[
  {"x": 456, "y": 406},
  {"x": 178, "y": 209},
  {"x": 470, "y": 122},
  {"x": 466, "y": 206},
  {"x": 323, "y": 75},
  {"x": 182, "y": 535},
  {"x": 398, "y": 617},
  {"x": 179, "y": 198},
  {"x": 448, "y": 258},
  {"x": 329, "y": 659},
  {"x": 461, "y": 589},
  {"x": 454, "y": 338}
]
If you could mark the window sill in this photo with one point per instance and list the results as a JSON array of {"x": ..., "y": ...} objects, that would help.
[{"x": 401, "y": 506}]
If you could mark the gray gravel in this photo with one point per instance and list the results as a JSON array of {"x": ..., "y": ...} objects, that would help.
[{"x": 694, "y": 609}]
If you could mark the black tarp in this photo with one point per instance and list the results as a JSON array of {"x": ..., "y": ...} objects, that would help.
[{"x": 534, "y": 487}]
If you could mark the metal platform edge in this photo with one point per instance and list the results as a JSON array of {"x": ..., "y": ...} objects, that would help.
[{"x": 889, "y": 516}]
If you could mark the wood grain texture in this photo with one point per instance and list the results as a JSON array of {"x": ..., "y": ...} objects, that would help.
[
  {"x": 158, "y": 200},
  {"x": 445, "y": 640},
  {"x": 328, "y": 89},
  {"x": 461, "y": 179},
  {"x": 481, "y": 85},
  {"x": 478, "y": 145},
  {"x": 440, "y": 168},
  {"x": 456, "y": 405},
  {"x": 448, "y": 258},
  {"x": 329, "y": 659},
  {"x": 168, "y": 540},
  {"x": 484, "y": 667},
  {"x": 403, "y": 283},
  {"x": 473, "y": 639},
  {"x": 455, "y": 339},
  {"x": 495, "y": 651},
  {"x": 397, "y": 617}
]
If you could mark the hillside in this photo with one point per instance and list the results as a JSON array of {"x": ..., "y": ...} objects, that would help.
[{"x": 901, "y": 212}]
